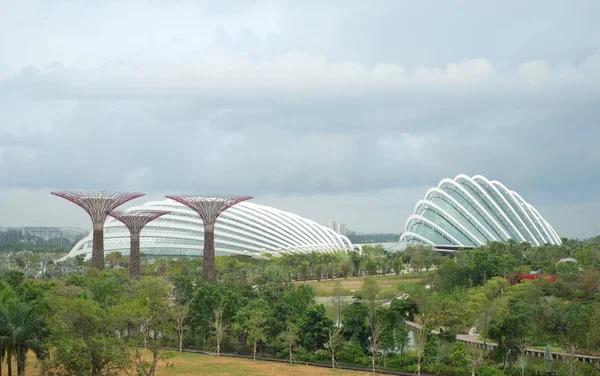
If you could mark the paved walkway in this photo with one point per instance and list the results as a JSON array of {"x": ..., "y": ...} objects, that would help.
[{"x": 474, "y": 339}]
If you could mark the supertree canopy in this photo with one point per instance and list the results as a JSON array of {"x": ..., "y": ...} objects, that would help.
[
  {"x": 135, "y": 220},
  {"x": 209, "y": 207},
  {"x": 98, "y": 204}
]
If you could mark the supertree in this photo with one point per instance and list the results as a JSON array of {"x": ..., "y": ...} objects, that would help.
[
  {"x": 135, "y": 220},
  {"x": 98, "y": 204},
  {"x": 209, "y": 208}
]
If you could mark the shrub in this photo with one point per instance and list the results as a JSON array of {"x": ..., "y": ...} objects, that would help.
[
  {"x": 401, "y": 361},
  {"x": 320, "y": 355},
  {"x": 301, "y": 354},
  {"x": 351, "y": 351},
  {"x": 446, "y": 370},
  {"x": 459, "y": 355},
  {"x": 488, "y": 371}
]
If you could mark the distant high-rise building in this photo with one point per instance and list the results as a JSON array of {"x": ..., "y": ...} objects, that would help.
[
  {"x": 41, "y": 235},
  {"x": 338, "y": 226}
]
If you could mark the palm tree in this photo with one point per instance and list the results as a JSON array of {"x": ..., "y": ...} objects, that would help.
[
  {"x": 22, "y": 331},
  {"x": 6, "y": 295},
  {"x": 3, "y": 338}
]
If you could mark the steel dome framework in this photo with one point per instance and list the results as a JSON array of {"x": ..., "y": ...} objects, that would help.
[
  {"x": 244, "y": 229},
  {"x": 472, "y": 211}
]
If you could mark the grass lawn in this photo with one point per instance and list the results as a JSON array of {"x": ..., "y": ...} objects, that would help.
[
  {"x": 388, "y": 284},
  {"x": 188, "y": 364}
]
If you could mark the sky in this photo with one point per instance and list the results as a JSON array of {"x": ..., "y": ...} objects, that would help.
[{"x": 346, "y": 110}]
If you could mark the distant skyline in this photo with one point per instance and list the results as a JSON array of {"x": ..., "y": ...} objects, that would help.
[{"x": 332, "y": 110}]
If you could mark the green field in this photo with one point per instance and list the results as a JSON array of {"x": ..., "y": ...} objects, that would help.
[
  {"x": 350, "y": 286},
  {"x": 188, "y": 364}
]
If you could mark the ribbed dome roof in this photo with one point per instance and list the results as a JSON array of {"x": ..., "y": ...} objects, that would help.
[
  {"x": 246, "y": 228},
  {"x": 471, "y": 211}
]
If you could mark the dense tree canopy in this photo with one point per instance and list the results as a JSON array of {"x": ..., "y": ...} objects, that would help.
[{"x": 81, "y": 322}]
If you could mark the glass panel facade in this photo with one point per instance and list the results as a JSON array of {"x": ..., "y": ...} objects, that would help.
[
  {"x": 449, "y": 207},
  {"x": 425, "y": 230},
  {"x": 472, "y": 211},
  {"x": 447, "y": 225},
  {"x": 243, "y": 229}
]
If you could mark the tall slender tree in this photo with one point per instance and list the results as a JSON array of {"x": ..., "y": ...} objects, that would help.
[{"x": 23, "y": 331}]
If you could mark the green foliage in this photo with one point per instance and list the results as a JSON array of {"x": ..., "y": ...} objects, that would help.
[
  {"x": 35, "y": 248},
  {"x": 104, "y": 318},
  {"x": 403, "y": 309},
  {"x": 350, "y": 351},
  {"x": 430, "y": 351},
  {"x": 314, "y": 327},
  {"x": 460, "y": 354},
  {"x": 22, "y": 330},
  {"x": 14, "y": 278},
  {"x": 401, "y": 337},
  {"x": 355, "y": 323},
  {"x": 512, "y": 330}
]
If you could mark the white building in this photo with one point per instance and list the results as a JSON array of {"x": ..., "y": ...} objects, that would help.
[
  {"x": 339, "y": 227},
  {"x": 244, "y": 229},
  {"x": 472, "y": 211}
]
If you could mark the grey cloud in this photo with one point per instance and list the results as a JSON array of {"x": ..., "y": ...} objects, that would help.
[
  {"x": 340, "y": 143},
  {"x": 346, "y": 112}
]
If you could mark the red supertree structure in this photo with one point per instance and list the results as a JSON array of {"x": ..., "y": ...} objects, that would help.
[
  {"x": 98, "y": 204},
  {"x": 209, "y": 208},
  {"x": 135, "y": 220}
]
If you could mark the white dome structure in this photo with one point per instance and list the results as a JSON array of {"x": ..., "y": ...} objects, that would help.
[
  {"x": 244, "y": 229},
  {"x": 472, "y": 211}
]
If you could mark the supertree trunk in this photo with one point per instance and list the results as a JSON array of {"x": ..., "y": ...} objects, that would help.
[
  {"x": 208, "y": 262},
  {"x": 134, "y": 256},
  {"x": 135, "y": 220},
  {"x": 209, "y": 208},
  {"x": 98, "y": 204},
  {"x": 98, "y": 249}
]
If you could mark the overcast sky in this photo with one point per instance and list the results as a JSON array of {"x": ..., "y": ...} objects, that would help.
[{"x": 346, "y": 109}]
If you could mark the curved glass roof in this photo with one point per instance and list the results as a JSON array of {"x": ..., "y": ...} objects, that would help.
[
  {"x": 244, "y": 229},
  {"x": 472, "y": 211}
]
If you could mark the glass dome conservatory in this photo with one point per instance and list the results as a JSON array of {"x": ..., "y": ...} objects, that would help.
[
  {"x": 472, "y": 211},
  {"x": 244, "y": 229}
]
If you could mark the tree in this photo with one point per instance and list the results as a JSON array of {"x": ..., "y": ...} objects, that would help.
[
  {"x": 522, "y": 358},
  {"x": 289, "y": 339},
  {"x": 387, "y": 341},
  {"x": 421, "y": 341},
  {"x": 356, "y": 261},
  {"x": 397, "y": 264},
  {"x": 314, "y": 327},
  {"x": 476, "y": 357},
  {"x": 377, "y": 330},
  {"x": 83, "y": 334},
  {"x": 23, "y": 331},
  {"x": 403, "y": 309},
  {"x": 354, "y": 323},
  {"x": 218, "y": 328},
  {"x": 371, "y": 266},
  {"x": 180, "y": 316},
  {"x": 420, "y": 256},
  {"x": 571, "y": 365},
  {"x": 345, "y": 267},
  {"x": 333, "y": 343},
  {"x": 370, "y": 292},
  {"x": 337, "y": 297},
  {"x": 459, "y": 357},
  {"x": 512, "y": 329},
  {"x": 154, "y": 310},
  {"x": 401, "y": 337},
  {"x": 256, "y": 329}
]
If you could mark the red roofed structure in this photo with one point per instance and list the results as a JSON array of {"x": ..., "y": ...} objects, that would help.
[{"x": 517, "y": 278}]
